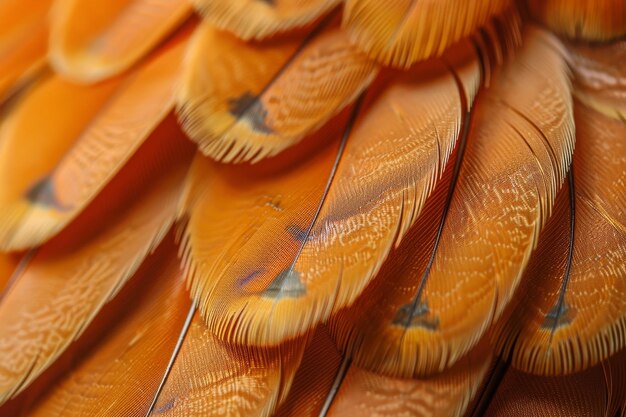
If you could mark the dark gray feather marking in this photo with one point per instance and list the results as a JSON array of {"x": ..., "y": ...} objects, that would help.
[
  {"x": 410, "y": 315},
  {"x": 249, "y": 107},
  {"x": 43, "y": 194}
]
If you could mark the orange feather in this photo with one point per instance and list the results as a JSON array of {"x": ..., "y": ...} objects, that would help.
[
  {"x": 90, "y": 41},
  {"x": 75, "y": 149},
  {"x": 253, "y": 19},
  {"x": 127, "y": 366},
  {"x": 314, "y": 379},
  {"x": 23, "y": 42},
  {"x": 401, "y": 32},
  {"x": 68, "y": 280},
  {"x": 266, "y": 272},
  {"x": 439, "y": 294},
  {"x": 370, "y": 394},
  {"x": 595, "y": 392},
  {"x": 244, "y": 102},
  {"x": 228, "y": 380},
  {"x": 600, "y": 77},
  {"x": 592, "y": 20},
  {"x": 572, "y": 311}
]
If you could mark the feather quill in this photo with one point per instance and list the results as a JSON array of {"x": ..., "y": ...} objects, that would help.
[
  {"x": 571, "y": 312},
  {"x": 126, "y": 365},
  {"x": 595, "y": 392},
  {"x": 210, "y": 377},
  {"x": 263, "y": 281},
  {"x": 68, "y": 280}
]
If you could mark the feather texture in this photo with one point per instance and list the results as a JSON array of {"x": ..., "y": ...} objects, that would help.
[
  {"x": 66, "y": 283},
  {"x": 119, "y": 33},
  {"x": 315, "y": 377},
  {"x": 76, "y": 149},
  {"x": 572, "y": 311},
  {"x": 273, "y": 285},
  {"x": 431, "y": 305},
  {"x": 593, "y": 20},
  {"x": 401, "y": 32},
  {"x": 257, "y": 19},
  {"x": 244, "y": 101},
  {"x": 601, "y": 77},
  {"x": 127, "y": 365},
  {"x": 228, "y": 380},
  {"x": 596, "y": 392},
  {"x": 23, "y": 41},
  {"x": 370, "y": 394}
]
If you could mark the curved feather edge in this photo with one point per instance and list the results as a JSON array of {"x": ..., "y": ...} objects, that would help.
[
  {"x": 93, "y": 41},
  {"x": 67, "y": 281},
  {"x": 586, "y": 20},
  {"x": 571, "y": 311},
  {"x": 262, "y": 282},
  {"x": 247, "y": 101},
  {"x": 210, "y": 377},
  {"x": 597, "y": 391},
  {"x": 76, "y": 152},
  {"x": 23, "y": 42},
  {"x": 403, "y": 32},
  {"x": 251, "y": 19},
  {"x": 437, "y": 295},
  {"x": 132, "y": 354}
]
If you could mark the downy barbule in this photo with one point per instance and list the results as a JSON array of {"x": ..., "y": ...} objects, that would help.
[{"x": 313, "y": 208}]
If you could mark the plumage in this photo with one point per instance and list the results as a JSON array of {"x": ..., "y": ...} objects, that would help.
[
  {"x": 592, "y": 20},
  {"x": 231, "y": 381},
  {"x": 255, "y": 19},
  {"x": 600, "y": 77},
  {"x": 401, "y": 32},
  {"x": 68, "y": 280},
  {"x": 23, "y": 42},
  {"x": 396, "y": 208},
  {"x": 448, "y": 394},
  {"x": 595, "y": 392},
  {"x": 118, "y": 34},
  {"x": 380, "y": 175},
  {"x": 76, "y": 151},
  {"x": 244, "y": 102},
  {"x": 572, "y": 311},
  {"x": 315, "y": 378},
  {"x": 116, "y": 367},
  {"x": 426, "y": 309}
]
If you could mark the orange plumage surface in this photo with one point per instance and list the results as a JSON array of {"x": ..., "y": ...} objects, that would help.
[{"x": 312, "y": 208}]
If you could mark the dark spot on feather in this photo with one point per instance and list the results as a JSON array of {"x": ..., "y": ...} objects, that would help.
[
  {"x": 420, "y": 316},
  {"x": 252, "y": 275},
  {"x": 268, "y": 2},
  {"x": 558, "y": 316},
  {"x": 297, "y": 232},
  {"x": 42, "y": 193},
  {"x": 250, "y": 108},
  {"x": 165, "y": 407},
  {"x": 286, "y": 284}
]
